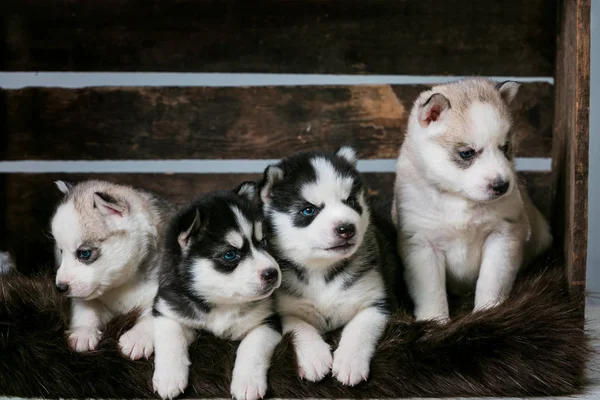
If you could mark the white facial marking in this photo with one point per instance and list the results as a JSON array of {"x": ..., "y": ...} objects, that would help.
[
  {"x": 487, "y": 125},
  {"x": 243, "y": 223},
  {"x": 234, "y": 239},
  {"x": 329, "y": 186},
  {"x": 258, "y": 230}
]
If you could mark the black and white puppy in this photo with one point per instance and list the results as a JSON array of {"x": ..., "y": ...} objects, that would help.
[
  {"x": 335, "y": 263},
  {"x": 218, "y": 277}
]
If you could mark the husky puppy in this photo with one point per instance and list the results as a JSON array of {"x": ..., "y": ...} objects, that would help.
[
  {"x": 463, "y": 219},
  {"x": 332, "y": 259},
  {"x": 109, "y": 241},
  {"x": 217, "y": 276}
]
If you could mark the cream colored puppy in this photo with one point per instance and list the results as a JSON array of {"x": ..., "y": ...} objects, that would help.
[
  {"x": 109, "y": 243},
  {"x": 464, "y": 222}
]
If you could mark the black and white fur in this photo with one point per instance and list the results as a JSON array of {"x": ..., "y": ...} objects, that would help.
[
  {"x": 333, "y": 262},
  {"x": 218, "y": 276}
]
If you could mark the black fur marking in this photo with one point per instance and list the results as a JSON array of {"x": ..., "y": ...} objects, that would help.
[
  {"x": 353, "y": 203},
  {"x": 299, "y": 220},
  {"x": 300, "y": 272},
  {"x": 273, "y": 321},
  {"x": 336, "y": 270},
  {"x": 217, "y": 219},
  {"x": 358, "y": 274},
  {"x": 185, "y": 303},
  {"x": 507, "y": 148},
  {"x": 383, "y": 306}
]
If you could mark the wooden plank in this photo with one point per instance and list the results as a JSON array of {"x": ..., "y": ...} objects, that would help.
[
  {"x": 235, "y": 123},
  {"x": 437, "y": 37},
  {"x": 571, "y": 137},
  {"x": 31, "y": 199}
]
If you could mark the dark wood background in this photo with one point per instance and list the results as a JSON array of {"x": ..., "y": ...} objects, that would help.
[
  {"x": 571, "y": 139},
  {"x": 235, "y": 123},
  {"x": 462, "y": 37}
]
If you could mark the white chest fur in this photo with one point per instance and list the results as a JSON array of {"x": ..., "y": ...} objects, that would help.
[
  {"x": 230, "y": 322},
  {"x": 233, "y": 323},
  {"x": 455, "y": 228},
  {"x": 328, "y": 305},
  {"x": 134, "y": 294}
]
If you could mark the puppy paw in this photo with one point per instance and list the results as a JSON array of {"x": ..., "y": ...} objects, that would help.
[
  {"x": 314, "y": 359},
  {"x": 351, "y": 366},
  {"x": 169, "y": 381},
  {"x": 136, "y": 343},
  {"x": 441, "y": 317},
  {"x": 485, "y": 301},
  {"x": 249, "y": 385},
  {"x": 83, "y": 340}
]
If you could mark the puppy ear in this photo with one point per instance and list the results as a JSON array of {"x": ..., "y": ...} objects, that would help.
[
  {"x": 349, "y": 154},
  {"x": 63, "y": 186},
  {"x": 190, "y": 227},
  {"x": 273, "y": 174},
  {"x": 247, "y": 190},
  {"x": 108, "y": 205},
  {"x": 432, "y": 109},
  {"x": 508, "y": 90}
]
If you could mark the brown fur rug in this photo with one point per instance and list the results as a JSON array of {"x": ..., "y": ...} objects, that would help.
[{"x": 531, "y": 345}]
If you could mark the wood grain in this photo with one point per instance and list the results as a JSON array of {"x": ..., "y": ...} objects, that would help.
[
  {"x": 571, "y": 137},
  {"x": 437, "y": 37},
  {"x": 31, "y": 198},
  {"x": 234, "y": 123}
]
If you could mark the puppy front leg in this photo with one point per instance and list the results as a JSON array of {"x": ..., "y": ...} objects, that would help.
[
  {"x": 249, "y": 381},
  {"x": 352, "y": 359},
  {"x": 425, "y": 274},
  {"x": 502, "y": 257},
  {"x": 171, "y": 358},
  {"x": 87, "y": 320},
  {"x": 312, "y": 352},
  {"x": 138, "y": 342}
]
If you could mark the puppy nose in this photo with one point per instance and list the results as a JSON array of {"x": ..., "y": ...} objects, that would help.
[
  {"x": 499, "y": 186},
  {"x": 346, "y": 231},
  {"x": 269, "y": 275},
  {"x": 62, "y": 287}
]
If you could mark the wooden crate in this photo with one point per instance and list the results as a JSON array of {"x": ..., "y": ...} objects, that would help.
[{"x": 536, "y": 38}]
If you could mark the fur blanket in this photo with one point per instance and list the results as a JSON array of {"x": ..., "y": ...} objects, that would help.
[{"x": 534, "y": 344}]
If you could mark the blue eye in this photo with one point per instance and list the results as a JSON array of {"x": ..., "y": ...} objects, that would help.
[
  {"x": 84, "y": 254},
  {"x": 467, "y": 154},
  {"x": 308, "y": 211},
  {"x": 230, "y": 255}
]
